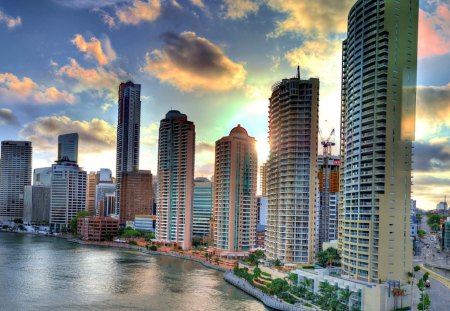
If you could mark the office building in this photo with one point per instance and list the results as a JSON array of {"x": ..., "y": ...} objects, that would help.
[
  {"x": 176, "y": 150},
  {"x": 379, "y": 64},
  {"x": 106, "y": 205},
  {"x": 137, "y": 195},
  {"x": 263, "y": 179},
  {"x": 202, "y": 207},
  {"x": 235, "y": 184},
  {"x": 67, "y": 195},
  {"x": 42, "y": 176},
  {"x": 261, "y": 208},
  {"x": 15, "y": 174},
  {"x": 97, "y": 228},
  {"x": 90, "y": 192},
  {"x": 327, "y": 218},
  {"x": 68, "y": 147},
  {"x": 144, "y": 223},
  {"x": 291, "y": 170},
  {"x": 36, "y": 208},
  {"x": 128, "y": 133}
]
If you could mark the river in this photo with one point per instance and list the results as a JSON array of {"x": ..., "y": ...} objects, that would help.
[{"x": 45, "y": 273}]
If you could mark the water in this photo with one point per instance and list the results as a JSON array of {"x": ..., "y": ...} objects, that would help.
[{"x": 45, "y": 273}]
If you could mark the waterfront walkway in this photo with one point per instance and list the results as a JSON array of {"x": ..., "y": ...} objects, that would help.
[{"x": 268, "y": 300}]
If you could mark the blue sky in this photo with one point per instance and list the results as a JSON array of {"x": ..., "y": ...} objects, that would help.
[{"x": 62, "y": 61}]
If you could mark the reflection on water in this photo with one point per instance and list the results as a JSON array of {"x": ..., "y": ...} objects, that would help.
[{"x": 48, "y": 273}]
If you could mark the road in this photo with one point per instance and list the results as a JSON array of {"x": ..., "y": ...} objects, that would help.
[{"x": 439, "y": 294}]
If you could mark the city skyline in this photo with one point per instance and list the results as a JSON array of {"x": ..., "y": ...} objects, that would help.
[{"x": 65, "y": 78}]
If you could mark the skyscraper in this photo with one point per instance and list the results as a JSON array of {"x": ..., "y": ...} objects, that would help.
[
  {"x": 327, "y": 217},
  {"x": 176, "y": 151},
  {"x": 92, "y": 180},
  {"x": 128, "y": 132},
  {"x": 68, "y": 147},
  {"x": 67, "y": 194},
  {"x": 291, "y": 170},
  {"x": 137, "y": 195},
  {"x": 235, "y": 184},
  {"x": 379, "y": 65},
  {"x": 15, "y": 174},
  {"x": 202, "y": 207}
]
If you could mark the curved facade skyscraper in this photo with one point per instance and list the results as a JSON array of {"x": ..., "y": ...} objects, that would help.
[
  {"x": 377, "y": 128},
  {"x": 291, "y": 170},
  {"x": 235, "y": 178}
]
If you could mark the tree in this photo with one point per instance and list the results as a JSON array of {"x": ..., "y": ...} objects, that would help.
[
  {"x": 252, "y": 259},
  {"x": 424, "y": 302},
  {"x": 344, "y": 298},
  {"x": 329, "y": 257},
  {"x": 260, "y": 254},
  {"x": 276, "y": 262},
  {"x": 293, "y": 278},
  {"x": 257, "y": 272},
  {"x": 18, "y": 221},
  {"x": 278, "y": 286},
  {"x": 416, "y": 268},
  {"x": 421, "y": 233},
  {"x": 419, "y": 218}
]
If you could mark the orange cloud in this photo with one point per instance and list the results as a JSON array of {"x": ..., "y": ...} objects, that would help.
[
  {"x": 238, "y": 9},
  {"x": 97, "y": 79},
  {"x": 15, "y": 89},
  {"x": 10, "y": 22},
  {"x": 434, "y": 32},
  {"x": 190, "y": 63},
  {"x": 140, "y": 11},
  {"x": 312, "y": 17},
  {"x": 94, "y": 49}
]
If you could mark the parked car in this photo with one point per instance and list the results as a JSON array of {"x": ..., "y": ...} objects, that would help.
[{"x": 427, "y": 283}]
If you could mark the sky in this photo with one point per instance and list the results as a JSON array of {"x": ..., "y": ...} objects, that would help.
[{"x": 214, "y": 60}]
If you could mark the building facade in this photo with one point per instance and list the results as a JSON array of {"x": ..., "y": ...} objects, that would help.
[
  {"x": 175, "y": 190},
  {"x": 67, "y": 195},
  {"x": 36, "y": 205},
  {"x": 327, "y": 218},
  {"x": 379, "y": 65},
  {"x": 90, "y": 192},
  {"x": 291, "y": 170},
  {"x": 97, "y": 228},
  {"x": 128, "y": 133},
  {"x": 235, "y": 184},
  {"x": 42, "y": 176},
  {"x": 68, "y": 147},
  {"x": 203, "y": 206},
  {"x": 15, "y": 174},
  {"x": 137, "y": 195}
]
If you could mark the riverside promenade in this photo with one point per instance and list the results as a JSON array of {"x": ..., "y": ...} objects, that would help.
[{"x": 269, "y": 301}]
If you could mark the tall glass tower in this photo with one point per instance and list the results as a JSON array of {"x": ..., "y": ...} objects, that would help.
[
  {"x": 379, "y": 65},
  {"x": 68, "y": 147},
  {"x": 291, "y": 170},
  {"x": 128, "y": 132},
  {"x": 176, "y": 153}
]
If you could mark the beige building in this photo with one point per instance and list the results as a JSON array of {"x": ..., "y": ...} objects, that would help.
[
  {"x": 291, "y": 170},
  {"x": 90, "y": 192},
  {"x": 235, "y": 183},
  {"x": 176, "y": 153},
  {"x": 377, "y": 128}
]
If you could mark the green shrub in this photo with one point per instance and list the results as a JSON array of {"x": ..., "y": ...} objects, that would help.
[{"x": 132, "y": 243}]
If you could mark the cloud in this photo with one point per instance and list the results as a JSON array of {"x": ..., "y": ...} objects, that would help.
[
  {"x": 87, "y": 4},
  {"x": 312, "y": 17},
  {"x": 7, "y": 117},
  {"x": 431, "y": 157},
  {"x": 100, "y": 51},
  {"x": 139, "y": 11},
  {"x": 107, "y": 19},
  {"x": 96, "y": 79},
  {"x": 150, "y": 134},
  {"x": 190, "y": 62},
  {"x": 9, "y": 21},
  {"x": 204, "y": 147},
  {"x": 239, "y": 9},
  {"x": 198, "y": 3},
  {"x": 434, "y": 31},
  {"x": 95, "y": 136},
  {"x": 13, "y": 88}
]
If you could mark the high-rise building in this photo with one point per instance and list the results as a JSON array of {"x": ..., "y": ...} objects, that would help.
[
  {"x": 36, "y": 208},
  {"x": 263, "y": 179},
  {"x": 106, "y": 206},
  {"x": 137, "y": 195},
  {"x": 90, "y": 192},
  {"x": 379, "y": 64},
  {"x": 176, "y": 150},
  {"x": 327, "y": 218},
  {"x": 261, "y": 215},
  {"x": 68, "y": 147},
  {"x": 42, "y": 176},
  {"x": 235, "y": 184},
  {"x": 15, "y": 174},
  {"x": 67, "y": 194},
  {"x": 104, "y": 187},
  {"x": 128, "y": 132},
  {"x": 291, "y": 170},
  {"x": 202, "y": 207}
]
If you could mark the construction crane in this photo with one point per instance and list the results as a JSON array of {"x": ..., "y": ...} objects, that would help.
[{"x": 327, "y": 143}]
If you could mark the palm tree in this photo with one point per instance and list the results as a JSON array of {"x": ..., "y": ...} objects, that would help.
[{"x": 344, "y": 297}]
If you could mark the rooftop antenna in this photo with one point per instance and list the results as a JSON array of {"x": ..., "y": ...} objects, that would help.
[{"x": 298, "y": 72}]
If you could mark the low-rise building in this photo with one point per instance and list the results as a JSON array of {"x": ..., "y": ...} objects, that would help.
[
  {"x": 144, "y": 223},
  {"x": 363, "y": 296},
  {"x": 97, "y": 228}
]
